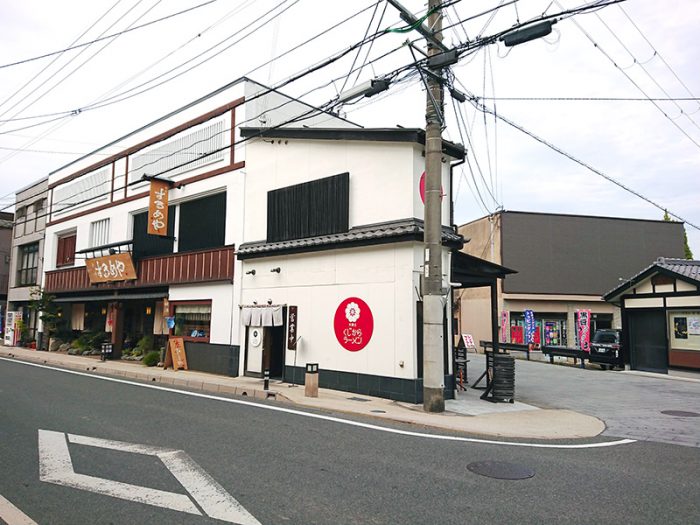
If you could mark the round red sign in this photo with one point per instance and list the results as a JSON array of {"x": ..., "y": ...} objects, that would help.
[
  {"x": 421, "y": 188},
  {"x": 353, "y": 324}
]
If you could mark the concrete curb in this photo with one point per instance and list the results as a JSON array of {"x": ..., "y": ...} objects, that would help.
[{"x": 499, "y": 421}]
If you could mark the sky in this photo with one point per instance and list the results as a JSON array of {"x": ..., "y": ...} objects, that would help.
[{"x": 55, "y": 109}]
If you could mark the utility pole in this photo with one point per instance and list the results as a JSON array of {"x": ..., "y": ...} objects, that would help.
[{"x": 433, "y": 309}]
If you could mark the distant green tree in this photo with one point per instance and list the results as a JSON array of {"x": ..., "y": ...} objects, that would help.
[{"x": 686, "y": 247}]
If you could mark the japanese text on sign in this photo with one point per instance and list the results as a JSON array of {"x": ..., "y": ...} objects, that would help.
[
  {"x": 117, "y": 267},
  {"x": 158, "y": 208}
]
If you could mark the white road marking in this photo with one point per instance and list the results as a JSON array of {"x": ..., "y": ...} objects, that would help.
[
  {"x": 55, "y": 466},
  {"x": 11, "y": 515},
  {"x": 211, "y": 496},
  {"x": 335, "y": 419}
]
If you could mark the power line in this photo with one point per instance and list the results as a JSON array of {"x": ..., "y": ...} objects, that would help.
[
  {"x": 656, "y": 53},
  {"x": 485, "y": 109},
  {"x": 100, "y": 39},
  {"x": 594, "y": 99},
  {"x": 635, "y": 84}
]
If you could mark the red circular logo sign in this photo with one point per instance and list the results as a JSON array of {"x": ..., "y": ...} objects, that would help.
[
  {"x": 353, "y": 324},
  {"x": 421, "y": 188}
]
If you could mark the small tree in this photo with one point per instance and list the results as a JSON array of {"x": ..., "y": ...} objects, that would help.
[
  {"x": 44, "y": 305},
  {"x": 687, "y": 252}
]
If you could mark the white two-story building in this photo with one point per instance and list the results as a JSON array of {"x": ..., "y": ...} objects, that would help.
[{"x": 293, "y": 237}]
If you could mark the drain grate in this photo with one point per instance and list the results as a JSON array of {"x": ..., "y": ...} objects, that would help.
[
  {"x": 358, "y": 399},
  {"x": 680, "y": 413},
  {"x": 500, "y": 470},
  {"x": 378, "y": 411}
]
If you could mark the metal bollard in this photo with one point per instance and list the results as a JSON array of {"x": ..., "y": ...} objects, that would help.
[{"x": 267, "y": 379}]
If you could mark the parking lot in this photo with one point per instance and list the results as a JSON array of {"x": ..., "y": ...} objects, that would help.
[{"x": 630, "y": 404}]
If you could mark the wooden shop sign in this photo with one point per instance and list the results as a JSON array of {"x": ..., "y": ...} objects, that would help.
[
  {"x": 175, "y": 356},
  {"x": 158, "y": 208},
  {"x": 117, "y": 267}
]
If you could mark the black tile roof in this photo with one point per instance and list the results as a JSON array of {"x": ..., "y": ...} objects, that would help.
[
  {"x": 688, "y": 270},
  {"x": 380, "y": 233}
]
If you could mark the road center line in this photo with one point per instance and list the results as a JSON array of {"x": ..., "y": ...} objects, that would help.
[{"x": 333, "y": 419}]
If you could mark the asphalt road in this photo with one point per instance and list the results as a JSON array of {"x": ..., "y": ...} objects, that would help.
[
  {"x": 631, "y": 406},
  {"x": 287, "y": 468}
]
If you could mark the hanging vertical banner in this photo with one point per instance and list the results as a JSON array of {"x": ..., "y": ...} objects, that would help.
[
  {"x": 529, "y": 327},
  {"x": 158, "y": 208},
  {"x": 292, "y": 320},
  {"x": 504, "y": 326},
  {"x": 583, "y": 324}
]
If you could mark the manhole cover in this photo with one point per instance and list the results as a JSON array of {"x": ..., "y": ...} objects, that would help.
[
  {"x": 680, "y": 413},
  {"x": 378, "y": 411},
  {"x": 357, "y": 399},
  {"x": 500, "y": 470}
]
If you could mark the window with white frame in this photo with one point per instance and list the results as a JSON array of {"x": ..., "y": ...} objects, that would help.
[{"x": 99, "y": 233}]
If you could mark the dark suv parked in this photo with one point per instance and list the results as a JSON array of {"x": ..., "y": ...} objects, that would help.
[{"x": 606, "y": 349}]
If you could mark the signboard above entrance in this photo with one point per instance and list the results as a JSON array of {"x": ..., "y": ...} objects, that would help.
[
  {"x": 158, "y": 208},
  {"x": 110, "y": 268}
]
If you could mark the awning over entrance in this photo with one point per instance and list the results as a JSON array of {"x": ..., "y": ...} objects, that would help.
[
  {"x": 263, "y": 315},
  {"x": 111, "y": 297},
  {"x": 471, "y": 272}
]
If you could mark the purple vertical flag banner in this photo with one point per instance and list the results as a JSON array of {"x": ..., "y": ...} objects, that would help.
[{"x": 529, "y": 326}]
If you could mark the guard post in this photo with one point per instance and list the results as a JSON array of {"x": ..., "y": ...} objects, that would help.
[{"x": 311, "y": 380}]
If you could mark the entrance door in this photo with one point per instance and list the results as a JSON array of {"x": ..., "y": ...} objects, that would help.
[
  {"x": 276, "y": 350},
  {"x": 648, "y": 348}
]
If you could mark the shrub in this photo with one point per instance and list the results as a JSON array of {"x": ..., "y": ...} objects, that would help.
[
  {"x": 151, "y": 358},
  {"x": 144, "y": 345}
]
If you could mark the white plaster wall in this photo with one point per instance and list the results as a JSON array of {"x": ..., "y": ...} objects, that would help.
[
  {"x": 317, "y": 283},
  {"x": 648, "y": 302},
  {"x": 644, "y": 287},
  {"x": 684, "y": 286},
  {"x": 224, "y": 317},
  {"x": 691, "y": 301},
  {"x": 379, "y": 172}
]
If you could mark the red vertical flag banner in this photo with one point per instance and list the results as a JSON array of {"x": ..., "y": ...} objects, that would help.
[
  {"x": 504, "y": 326},
  {"x": 158, "y": 208},
  {"x": 584, "y": 329}
]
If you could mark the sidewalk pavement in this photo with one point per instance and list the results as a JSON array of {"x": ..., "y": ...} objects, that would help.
[{"x": 467, "y": 413}]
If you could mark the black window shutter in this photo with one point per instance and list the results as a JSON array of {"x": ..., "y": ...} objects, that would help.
[
  {"x": 146, "y": 245},
  {"x": 311, "y": 209},
  {"x": 202, "y": 223}
]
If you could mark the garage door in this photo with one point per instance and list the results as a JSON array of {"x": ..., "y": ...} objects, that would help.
[{"x": 647, "y": 340}]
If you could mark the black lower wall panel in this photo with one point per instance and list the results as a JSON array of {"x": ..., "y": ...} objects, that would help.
[
  {"x": 213, "y": 358},
  {"x": 396, "y": 388}
]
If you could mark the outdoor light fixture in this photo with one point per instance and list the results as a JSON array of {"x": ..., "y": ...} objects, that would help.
[
  {"x": 532, "y": 32},
  {"x": 276, "y": 270},
  {"x": 250, "y": 272},
  {"x": 148, "y": 310},
  {"x": 366, "y": 89},
  {"x": 104, "y": 311}
]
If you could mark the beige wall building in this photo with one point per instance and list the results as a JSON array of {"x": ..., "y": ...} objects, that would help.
[{"x": 564, "y": 263}]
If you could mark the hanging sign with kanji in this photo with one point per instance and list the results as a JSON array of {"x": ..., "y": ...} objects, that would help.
[
  {"x": 292, "y": 324},
  {"x": 111, "y": 268},
  {"x": 158, "y": 208}
]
